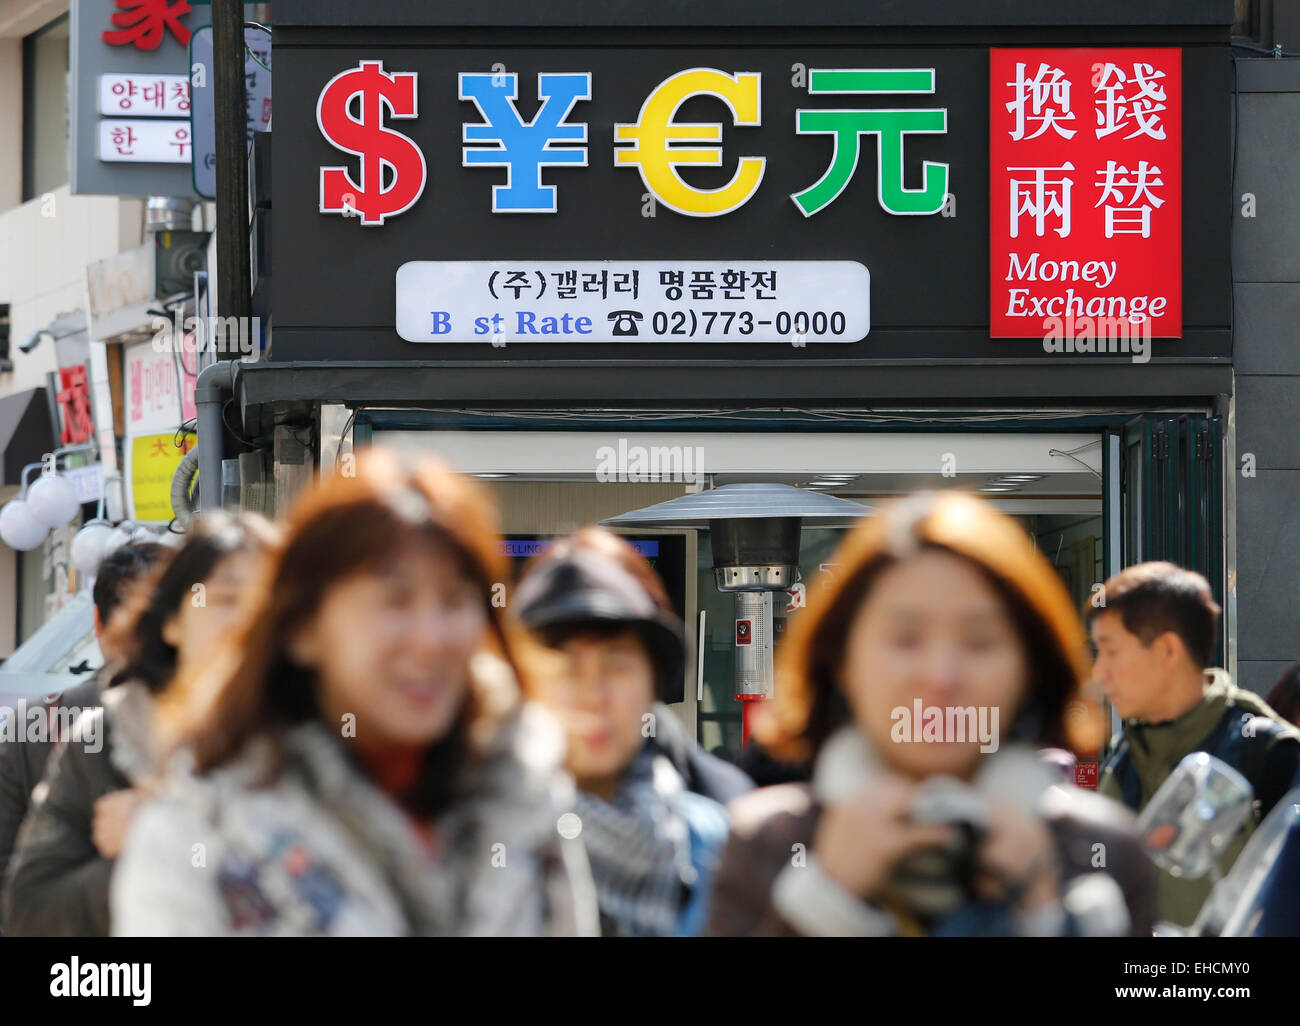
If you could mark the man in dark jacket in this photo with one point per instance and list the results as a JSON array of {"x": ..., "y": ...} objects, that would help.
[
  {"x": 23, "y": 763},
  {"x": 1155, "y": 639}
]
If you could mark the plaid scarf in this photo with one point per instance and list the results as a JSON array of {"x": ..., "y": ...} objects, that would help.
[{"x": 638, "y": 845}]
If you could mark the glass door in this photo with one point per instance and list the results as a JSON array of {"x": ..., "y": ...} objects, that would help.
[{"x": 1172, "y": 495}]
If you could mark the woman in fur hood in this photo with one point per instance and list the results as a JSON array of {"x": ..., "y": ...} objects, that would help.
[{"x": 361, "y": 758}]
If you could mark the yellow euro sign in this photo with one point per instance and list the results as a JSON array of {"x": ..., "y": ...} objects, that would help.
[{"x": 654, "y": 137}]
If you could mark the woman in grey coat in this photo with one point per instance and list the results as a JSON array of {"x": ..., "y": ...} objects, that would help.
[{"x": 361, "y": 758}]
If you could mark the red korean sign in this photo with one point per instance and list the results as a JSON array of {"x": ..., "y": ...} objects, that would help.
[{"x": 1085, "y": 179}]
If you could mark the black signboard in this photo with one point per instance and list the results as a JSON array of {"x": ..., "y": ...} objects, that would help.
[{"x": 335, "y": 279}]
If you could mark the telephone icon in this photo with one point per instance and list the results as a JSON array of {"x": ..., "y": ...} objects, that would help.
[{"x": 625, "y": 321}]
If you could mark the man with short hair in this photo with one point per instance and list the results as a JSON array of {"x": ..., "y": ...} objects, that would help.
[
  {"x": 22, "y": 763},
  {"x": 1155, "y": 638}
]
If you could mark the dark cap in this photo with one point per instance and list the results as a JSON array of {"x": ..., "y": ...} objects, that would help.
[{"x": 586, "y": 587}]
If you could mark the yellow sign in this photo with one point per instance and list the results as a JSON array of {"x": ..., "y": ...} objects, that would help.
[
  {"x": 154, "y": 459},
  {"x": 653, "y": 138}
]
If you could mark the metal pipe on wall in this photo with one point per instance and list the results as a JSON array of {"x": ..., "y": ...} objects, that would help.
[{"x": 215, "y": 385}]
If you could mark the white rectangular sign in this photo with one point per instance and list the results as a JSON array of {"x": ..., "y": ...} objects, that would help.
[
  {"x": 144, "y": 142},
  {"x": 159, "y": 390},
  {"x": 87, "y": 482},
  {"x": 144, "y": 96},
  {"x": 510, "y": 301}
]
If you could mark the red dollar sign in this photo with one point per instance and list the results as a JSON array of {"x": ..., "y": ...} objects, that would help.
[{"x": 366, "y": 137}]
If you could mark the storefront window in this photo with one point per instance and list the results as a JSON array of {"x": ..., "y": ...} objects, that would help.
[{"x": 45, "y": 109}]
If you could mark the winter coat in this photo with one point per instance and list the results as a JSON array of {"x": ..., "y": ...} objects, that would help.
[
  {"x": 1231, "y": 724},
  {"x": 759, "y": 766},
  {"x": 708, "y": 825},
  {"x": 770, "y": 882},
  {"x": 702, "y": 773},
  {"x": 321, "y": 850},
  {"x": 57, "y": 883},
  {"x": 22, "y": 765}
]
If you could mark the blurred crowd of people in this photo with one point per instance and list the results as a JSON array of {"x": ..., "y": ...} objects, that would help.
[{"x": 335, "y": 726}]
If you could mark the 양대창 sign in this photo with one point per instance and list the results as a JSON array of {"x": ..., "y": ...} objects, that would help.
[
  {"x": 144, "y": 96},
  {"x": 628, "y": 300}
]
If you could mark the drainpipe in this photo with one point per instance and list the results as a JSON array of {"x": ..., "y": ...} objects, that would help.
[{"x": 214, "y": 387}]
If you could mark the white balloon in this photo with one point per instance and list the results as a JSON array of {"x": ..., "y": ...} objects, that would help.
[
  {"x": 19, "y": 529},
  {"x": 88, "y": 547},
  {"x": 52, "y": 500}
]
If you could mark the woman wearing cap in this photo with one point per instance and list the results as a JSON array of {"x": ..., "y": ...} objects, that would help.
[
  {"x": 363, "y": 762},
  {"x": 649, "y": 800},
  {"x": 921, "y": 682}
]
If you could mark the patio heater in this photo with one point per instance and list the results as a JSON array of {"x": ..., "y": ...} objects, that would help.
[{"x": 755, "y": 530}]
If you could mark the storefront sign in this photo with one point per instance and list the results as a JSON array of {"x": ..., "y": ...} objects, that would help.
[
  {"x": 1085, "y": 775},
  {"x": 1085, "y": 179},
  {"x": 159, "y": 398},
  {"x": 145, "y": 142},
  {"x": 257, "y": 99},
  {"x": 656, "y": 144},
  {"x": 125, "y": 57},
  {"x": 144, "y": 95},
  {"x": 653, "y": 301},
  {"x": 87, "y": 482},
  {"x": 74, "y": 406},
  {"x": 144, "y": 23},
  {"x": 397, "y": 152},
  {"x": 153, "y": 377},
  {"x": 151, "y": 462},
  {"x": 119, "y": 53}
]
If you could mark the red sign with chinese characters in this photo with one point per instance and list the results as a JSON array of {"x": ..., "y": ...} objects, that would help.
[
  {"x": 1085, "y": 179},
  {"x": 74, "y": 406},
  {"x": 143, "y": 23},
  {"x": 1085, "y": 775}
]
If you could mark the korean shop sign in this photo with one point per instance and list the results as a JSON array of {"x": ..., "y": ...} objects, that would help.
[
  {"x": 257, "y": 100},
  {"x": 662, "y": 301},
  {"x": 685, "y": 158},
  {"x": 129, "y": 98},
  {"x": 1085, "y": 191},
  {"x": 128, "y": 101}
]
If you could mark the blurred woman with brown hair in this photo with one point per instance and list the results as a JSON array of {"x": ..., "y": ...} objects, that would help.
[
  {"x": 167, "y": 626},
  {"x": 363, "y": 760},
  {"x": 920, "y": 682}
]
